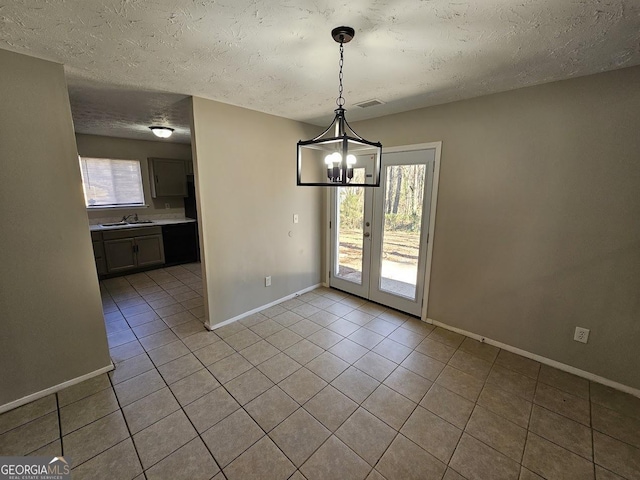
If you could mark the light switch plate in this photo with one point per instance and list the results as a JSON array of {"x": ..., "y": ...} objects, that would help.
[{"x": 295, "y": 218}]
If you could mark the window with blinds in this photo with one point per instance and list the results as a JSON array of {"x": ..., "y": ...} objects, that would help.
[{"x": 111, "y": 183}]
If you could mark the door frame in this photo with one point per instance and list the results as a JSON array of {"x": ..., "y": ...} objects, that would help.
[{"x": 437, "y": 146}]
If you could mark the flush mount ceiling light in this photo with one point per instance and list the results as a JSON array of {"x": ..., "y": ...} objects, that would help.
[
  {"x": 162, "y": 132},
  {"x": 339, "y": 156}
]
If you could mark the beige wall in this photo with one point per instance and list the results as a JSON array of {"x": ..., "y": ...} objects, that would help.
[
  {"x": 50, "y": 308},
  {"x": 538, "y": 221},
  {"x": 122, "y": 148},
  {"x": 246, "y": 180}
]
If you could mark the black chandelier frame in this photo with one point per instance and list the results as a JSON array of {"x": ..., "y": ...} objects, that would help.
[{"x": 341, "y": 174}]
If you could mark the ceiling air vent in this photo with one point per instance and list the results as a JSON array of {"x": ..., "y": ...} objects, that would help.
[{"x": 369, "y": 103}]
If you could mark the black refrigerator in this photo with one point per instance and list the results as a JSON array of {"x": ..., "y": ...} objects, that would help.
[
  {"x": 181, "y": 239},
  {"x": 190, "y": 208}
]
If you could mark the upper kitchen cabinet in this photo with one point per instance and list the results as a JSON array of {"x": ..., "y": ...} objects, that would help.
[{"x": 168, "y": 177}]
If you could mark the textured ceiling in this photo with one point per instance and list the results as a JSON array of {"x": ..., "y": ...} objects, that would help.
[{"x": 131, "y": 63}]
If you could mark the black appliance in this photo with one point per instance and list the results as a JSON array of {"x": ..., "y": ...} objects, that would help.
[
  {"x": 180, "y": 243},
  {"x": 190, "y": 209}
]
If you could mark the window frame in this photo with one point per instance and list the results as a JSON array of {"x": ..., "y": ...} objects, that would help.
[{"x": 83, "y": 160}]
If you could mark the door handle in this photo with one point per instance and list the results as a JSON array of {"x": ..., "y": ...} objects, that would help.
[{"x": 367, "y": 234}]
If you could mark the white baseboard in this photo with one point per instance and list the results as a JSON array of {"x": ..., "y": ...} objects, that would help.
[
  {"x": 56, "y": 388},
  {"x": 210, "y": 327},
  {"x": 547, "y": 361}
]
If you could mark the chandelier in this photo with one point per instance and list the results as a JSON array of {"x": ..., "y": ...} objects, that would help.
[{"x": 339, "y": 156}]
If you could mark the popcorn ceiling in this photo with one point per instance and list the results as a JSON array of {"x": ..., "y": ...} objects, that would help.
[{"x": 131, "y": 63}]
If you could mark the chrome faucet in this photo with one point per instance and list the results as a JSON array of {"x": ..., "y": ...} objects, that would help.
[{"x": 126, "y": 217}]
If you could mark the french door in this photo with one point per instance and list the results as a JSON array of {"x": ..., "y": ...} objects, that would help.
[{"x": 379, "y": 236}]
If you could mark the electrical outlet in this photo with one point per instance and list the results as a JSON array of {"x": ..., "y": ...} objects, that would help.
[
  {"x": 295, "y": 218},
  {"x": 267, "y": 281},
  {"x": 581, "y": 335}
]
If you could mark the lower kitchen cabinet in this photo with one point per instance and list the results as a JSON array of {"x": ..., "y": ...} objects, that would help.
[
  {"x": 149, "y": 250},
  {"x": 124, "y": 250},
  {"x": 133, "y": 248},
  {"x": 120, "y": 254}
]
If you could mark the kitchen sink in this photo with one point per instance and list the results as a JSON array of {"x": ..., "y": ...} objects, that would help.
[
  {"x": 115, "y": 224},
  {"x": 140, "y": 221}
]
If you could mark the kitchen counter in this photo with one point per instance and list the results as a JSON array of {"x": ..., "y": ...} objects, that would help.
[{"x": 156, "y": 223}]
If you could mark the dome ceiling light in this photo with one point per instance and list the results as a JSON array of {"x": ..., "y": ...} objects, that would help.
[{"x": 162, "y": 132}]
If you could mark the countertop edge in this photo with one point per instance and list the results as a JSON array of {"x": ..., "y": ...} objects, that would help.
[{"x": 156, "y": 223}]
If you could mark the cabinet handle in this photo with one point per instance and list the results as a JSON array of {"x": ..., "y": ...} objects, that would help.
[{"x": 156, "y": 178}]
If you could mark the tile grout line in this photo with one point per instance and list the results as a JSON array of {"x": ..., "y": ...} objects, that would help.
[{"x": 60, "y": 425}]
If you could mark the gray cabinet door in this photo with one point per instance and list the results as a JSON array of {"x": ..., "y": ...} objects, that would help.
[
  {"x": 120, "y": 254},
  {"x": 98, "y": 254},
  {"x": 149, "y": 250},
  {"x": 168, "y": 177}
]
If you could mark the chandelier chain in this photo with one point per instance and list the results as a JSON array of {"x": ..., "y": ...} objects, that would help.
[{"x": 340, "y": 99}]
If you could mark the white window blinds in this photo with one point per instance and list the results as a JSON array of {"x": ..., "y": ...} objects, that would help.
[{"x": 111, "y": 183}]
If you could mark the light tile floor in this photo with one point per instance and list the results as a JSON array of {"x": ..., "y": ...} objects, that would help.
[{"x": 323, "y": 386}]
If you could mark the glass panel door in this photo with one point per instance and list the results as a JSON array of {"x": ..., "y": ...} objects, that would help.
[
  {"x": 401, "y": 209},
  {"x": 350, "y": 239},
  {"x": 402, "y": 204},
  {"x": 350, "y": 236}
]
